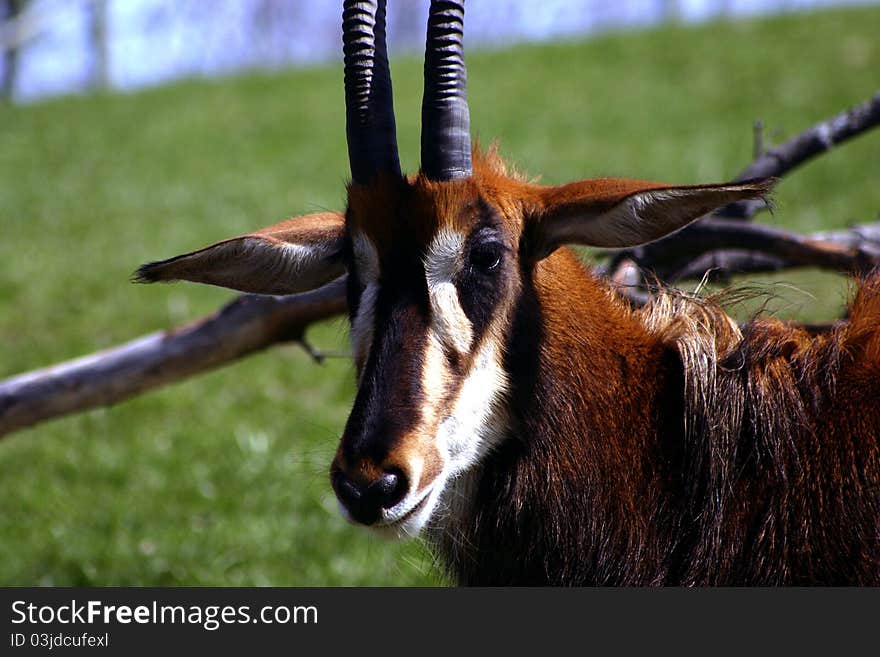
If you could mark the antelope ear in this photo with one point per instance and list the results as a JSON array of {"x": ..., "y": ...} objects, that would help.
[
  {"x": 622, "y": 213},
  {"x": 293, "y": 256}
]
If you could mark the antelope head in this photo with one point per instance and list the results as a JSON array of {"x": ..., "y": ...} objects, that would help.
[{"x": 435, "y": 265}]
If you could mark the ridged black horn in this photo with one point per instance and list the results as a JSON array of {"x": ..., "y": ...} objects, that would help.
[
  {"x": 369, "y": 116},
  {"x": 446, "y": 136}
]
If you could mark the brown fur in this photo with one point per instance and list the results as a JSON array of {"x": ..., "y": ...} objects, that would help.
[{"x": 673, "y": 449}]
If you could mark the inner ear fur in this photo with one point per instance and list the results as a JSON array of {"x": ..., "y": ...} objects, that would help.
[
  {"x": 295, "y": 255},
  {"x": 621, "y": 213}
]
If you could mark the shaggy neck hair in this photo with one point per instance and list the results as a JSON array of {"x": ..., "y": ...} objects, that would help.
[{"x": 703, "y": 455}]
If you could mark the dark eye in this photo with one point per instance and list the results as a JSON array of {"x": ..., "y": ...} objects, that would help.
[{"x": 487, "y": 256}]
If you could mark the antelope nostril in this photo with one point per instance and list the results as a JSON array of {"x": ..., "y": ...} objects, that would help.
[
  {"x": 349, "y": 493},
  {"x": 366, "y": 502},
  {"x": 347, "y": 488},
  {"x": 390, "y": 488}
]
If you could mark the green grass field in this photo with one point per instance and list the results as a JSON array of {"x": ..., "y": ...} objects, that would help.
[{"x": 222, "y": 480}]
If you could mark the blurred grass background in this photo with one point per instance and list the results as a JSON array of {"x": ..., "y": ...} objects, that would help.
[{"x": 222, "y": 480}]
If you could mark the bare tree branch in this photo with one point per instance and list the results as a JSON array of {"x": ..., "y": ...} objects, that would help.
[
  {"x": 722, "y": 263},
  {"x": 822, "y": 137},
  {"x": 795, "y": 250},
  {"x": 860, "y": 251},
  {"x": 775, "y": 162},
  {"x": 248, "y": 324},
  {"x": 737, "y": 247}
]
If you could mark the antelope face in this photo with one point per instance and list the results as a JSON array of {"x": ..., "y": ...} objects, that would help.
[
  {"x": 435, "y": 266},
  {"x": 433, "y": 275}
]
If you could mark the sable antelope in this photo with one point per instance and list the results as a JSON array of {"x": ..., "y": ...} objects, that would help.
[{"x": 532, "y": 425}]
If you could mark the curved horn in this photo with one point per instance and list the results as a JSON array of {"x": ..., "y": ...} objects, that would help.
[
  {"x": 369, "y": 116},
  {"x": 446, "y": 137}
]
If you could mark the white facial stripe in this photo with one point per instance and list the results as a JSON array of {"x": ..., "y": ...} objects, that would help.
[
  {"x": 367, "y": 260},
  {"x": 434, "y": 377},
  {"x": 449, "y": 322},
  {"x": 442, "y": 263},
  {"x": 472, "y": 423},
  {"x": 364, "y": 321},
  {"x": 473, "y": 427},
  {"x": 443, "y": 260},
  {"x": 476, "y": 424}
]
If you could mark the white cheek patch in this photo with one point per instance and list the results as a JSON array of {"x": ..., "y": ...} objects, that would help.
[
  {"x": 475, "y": 425},
  {"x": 471, "y": 425},
  {"x": 443, "y": 261},
  {"x": 434, "y": 378},
  {"x": 468, "y": 426},
  {"x": 476, "y": 422}
]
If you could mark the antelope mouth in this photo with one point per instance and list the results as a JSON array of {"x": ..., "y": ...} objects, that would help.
[{"x": 410, "y": 522}]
